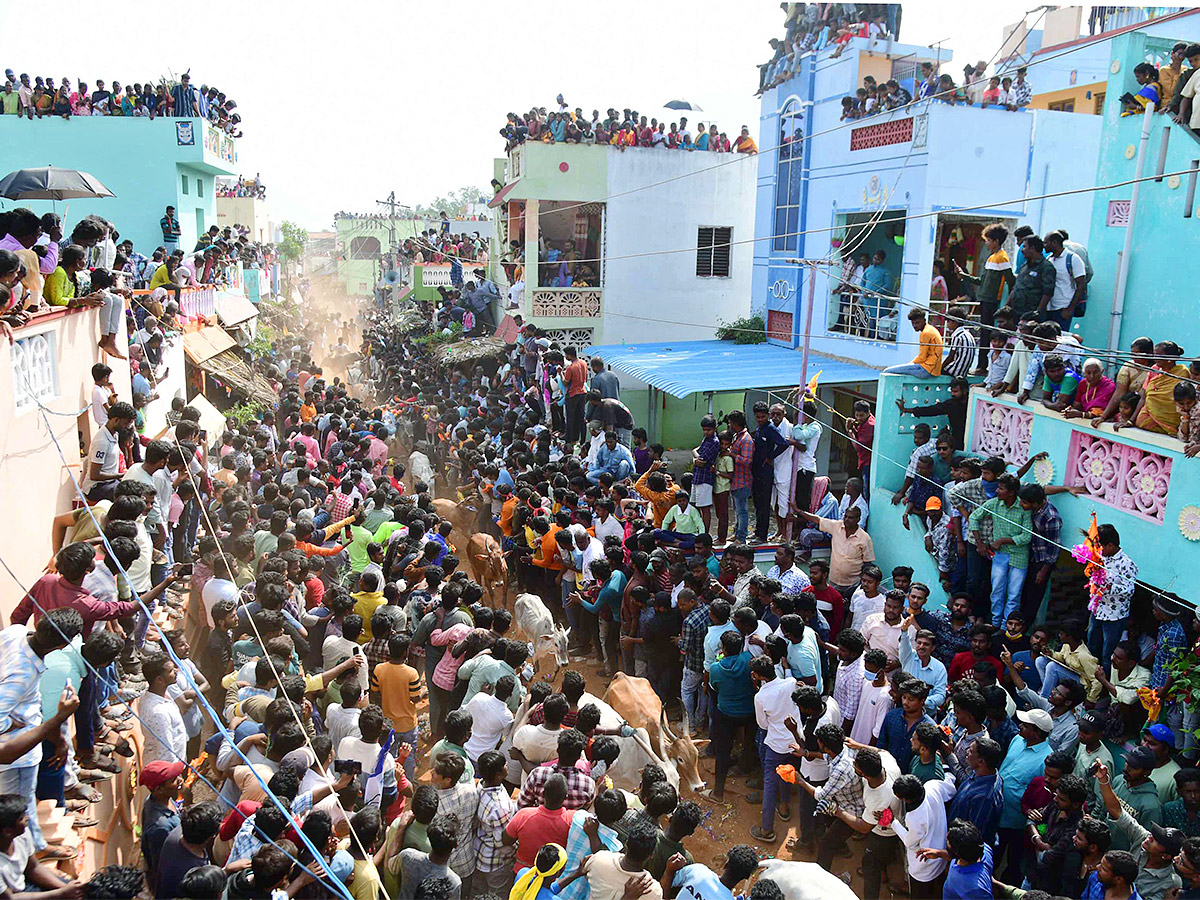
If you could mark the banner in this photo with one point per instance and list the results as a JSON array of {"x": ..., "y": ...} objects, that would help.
[{"x": 185, "y": 134}]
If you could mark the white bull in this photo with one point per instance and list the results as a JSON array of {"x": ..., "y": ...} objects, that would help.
[
  {"x": 534, "y": 622},
  {"x": 804, "y": 880}
]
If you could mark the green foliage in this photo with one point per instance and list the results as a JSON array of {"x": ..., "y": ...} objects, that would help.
[
  {"x": 260, "y": 346},
  {"x": 452, "y": 204},
  {"x": 746, "y": 330},
  {"x": 294, "y": 239},
  {"x": 439, "y": 337},
  {"x": 246, "y": 412}
]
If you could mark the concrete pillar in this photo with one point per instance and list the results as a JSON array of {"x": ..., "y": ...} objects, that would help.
[{"x": 531, "y": 253}]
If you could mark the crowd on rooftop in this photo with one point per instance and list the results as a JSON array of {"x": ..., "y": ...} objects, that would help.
[
  {"x": 1002, "y": 92},
  {"x": 244, "y": 188},
  {"x": 814, "y": 27},
  {"x": 621, "y": 129},
  {"x": 40, "y": 97}
]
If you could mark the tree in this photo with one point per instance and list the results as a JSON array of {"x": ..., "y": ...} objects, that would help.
[
  {"x": 291, "y": 248},
  {"x": 294, "y": 240},
  {"x": 452, "y": 204}
]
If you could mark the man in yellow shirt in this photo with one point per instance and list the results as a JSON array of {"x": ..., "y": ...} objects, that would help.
[{"x": 928, "y": 363}]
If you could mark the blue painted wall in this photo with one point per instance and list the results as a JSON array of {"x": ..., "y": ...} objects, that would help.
[
  {"x": 1161, "y": 300},
  {"x": 984, "y": 162},
  {"x": 141, "y": 161},
  {"x": 1159, "y": 549}
]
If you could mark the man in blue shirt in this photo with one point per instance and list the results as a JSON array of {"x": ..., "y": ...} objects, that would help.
[
  {"x": 895, "y": 735},
  {"x": 980, "y": 796},
  {"x": 919, "y": 662},
  {"x": 613, "y": 458},
  {"x": 876, "y": 280},
  {"x": 701, "y": 881},
  {"x": 1025, "y": 760}
]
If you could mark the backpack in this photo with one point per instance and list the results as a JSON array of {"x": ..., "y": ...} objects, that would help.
[{"x": 1081, "y": 306}]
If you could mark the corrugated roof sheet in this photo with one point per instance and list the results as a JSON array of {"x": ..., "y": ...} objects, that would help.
[{"x": 685, "y": 367}]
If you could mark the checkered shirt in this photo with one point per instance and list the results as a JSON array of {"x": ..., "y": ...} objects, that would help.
[
  {"x": 581, "y": 790},
  {"x": 844, "y": 788},
  {"x": 691, "y": 638},
  {"x": 496, "y": 809},
  {"x": 463, "y": 801}
]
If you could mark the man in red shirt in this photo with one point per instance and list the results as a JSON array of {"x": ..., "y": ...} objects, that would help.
[
  {"x": 535, "y": 826},
  {"x": 575, "y": 378},
  {"x": 65, "y": 589},
  {"x": 861, "y": 428},
  {"x": 962, "y": 665},
  {"x": 739, "y": 487}
]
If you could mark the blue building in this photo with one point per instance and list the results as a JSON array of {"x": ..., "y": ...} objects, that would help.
[
  {"x": 918, "y": 183},
  {"x": 1137, "y": 480},
  {"x": 147, "y": 164}
]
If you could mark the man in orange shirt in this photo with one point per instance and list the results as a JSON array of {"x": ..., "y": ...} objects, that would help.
[
  {"x": 399, "y": 687},
  {"x": 928, "y": 363},
  {"x": 575, "y": 378},
  {"x": 507, "y": 505}
]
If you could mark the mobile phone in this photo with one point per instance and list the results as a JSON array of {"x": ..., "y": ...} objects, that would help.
[{"x": 342, "y": 766}]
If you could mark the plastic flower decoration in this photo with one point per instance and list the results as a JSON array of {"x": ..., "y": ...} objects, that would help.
[{"x": 1088, "y": 554}]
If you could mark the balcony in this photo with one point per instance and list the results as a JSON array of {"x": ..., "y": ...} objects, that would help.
[
  {"x": 1136, "y": 480},
  {"x": 566, "y": 303}
]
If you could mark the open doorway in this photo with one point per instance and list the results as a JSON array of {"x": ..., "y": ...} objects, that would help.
[{"x": 959, "y": 243}]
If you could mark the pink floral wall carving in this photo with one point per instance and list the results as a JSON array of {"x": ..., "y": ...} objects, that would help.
[
  {"x": 1119, "y": 475},
  {"x": 999, "y": 430}
]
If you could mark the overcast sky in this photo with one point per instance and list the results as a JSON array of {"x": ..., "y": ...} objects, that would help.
[{"x": 343, "y": 102}]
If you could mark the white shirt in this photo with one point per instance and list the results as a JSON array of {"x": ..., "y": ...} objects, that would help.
[
  {"x": 537, "y": 743},
  {"x": 862, "y": 606},
  {"x": 106, "y": 453},
  {"x": 882, "y": 797},
  {"x": 926, "y": 826},
  {"x": 100, "y": 397},
  {"x": 1064, "y": 281},
  {"x": 1190, "y": 90},
  {"x": 489, "y": 718},
  {"x": 818, "y": 769},
  {"x": 368, "y": 755},
  {"x": 763, "y": 631},
  {"x": 772, "y": 704},
  {"x": 860, "y": 504},
  {"x": 610, "y": 526},
  {"x": 139, "y": 569},
  {"x": 215, "y": 590},
  {"x": 880, "y": 635},
  {"x": 341, "y": 723},
  {"x": 13, "y": 865},
  {"x": 193, "y": 717},
  {"x": 592, "y": 552},
  {"x": 163, "y": 732},
  {"x": 783, "y": 462},
  {"x": 873, "y": 704}
]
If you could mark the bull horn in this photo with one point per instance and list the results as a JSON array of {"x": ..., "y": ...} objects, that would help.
[
  {"x": 687, "y": 727},
  {"x": 666, "y": 726}
]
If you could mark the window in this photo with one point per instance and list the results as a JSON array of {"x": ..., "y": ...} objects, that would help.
[
  {"x": 199, "y": 187},
  {"x": 788, "y": 173},
  {"x": 366, "y": 248},
  {"x": 1063, "y": 106},
  {"x": 712, "y": 252},
  {"x": 185, "y": 190},
  {"x": 1099, "y": 109}
]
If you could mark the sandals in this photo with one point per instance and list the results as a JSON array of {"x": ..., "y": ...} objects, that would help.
[
  {"x": 87, "y": 794},
  {"x": 56, "y": 854},
  {"x": 767, "y": 837},
  {"x": 100, "y": 764},
  {"x": 707, "y": 794},
  {"x": 784, "y": 813}
]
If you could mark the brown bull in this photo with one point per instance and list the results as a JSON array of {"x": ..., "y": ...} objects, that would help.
[
  {"x": 489, "y": 568},
  {"x": 463, "y": 516},
  {"x": 635, "y": 701}
]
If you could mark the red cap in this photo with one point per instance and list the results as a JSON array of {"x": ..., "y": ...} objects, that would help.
[{"x": 159, "y": 773}]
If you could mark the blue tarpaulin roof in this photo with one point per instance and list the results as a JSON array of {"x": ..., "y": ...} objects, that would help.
[{"x": 685, "y": 367}]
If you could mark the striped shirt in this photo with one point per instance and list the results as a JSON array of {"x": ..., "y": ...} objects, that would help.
[
  {"x": 1007, "y": 522},
  {"x": 20, "y": 691},
  {"x": 964, "y": 347},
  {"x": 743, "y": 456}
]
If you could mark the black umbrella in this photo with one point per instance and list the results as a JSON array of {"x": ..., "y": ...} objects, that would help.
[
  {"x": 51, "y": 183},
  {"x": 682, "y": 104}
]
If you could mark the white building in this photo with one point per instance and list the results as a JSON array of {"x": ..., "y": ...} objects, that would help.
[{"x": 665, "y": 235}]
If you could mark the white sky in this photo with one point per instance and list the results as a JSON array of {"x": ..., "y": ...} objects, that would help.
[{"x": 344, "y": 102}]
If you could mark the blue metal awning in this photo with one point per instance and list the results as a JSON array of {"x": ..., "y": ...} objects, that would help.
[{"x": 686, "y": 367}]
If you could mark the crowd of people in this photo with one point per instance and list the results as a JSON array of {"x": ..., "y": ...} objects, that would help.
[
  {"x": 346, "y": 556},
  {"x": 253, "y": 188},
  {"x": 40, "y": 97},
  {"x": 814, "y": 27},
  {"x": 1005, "y": 91},
  {"x": 622, "y": 129}
]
